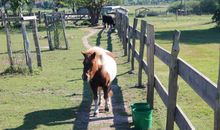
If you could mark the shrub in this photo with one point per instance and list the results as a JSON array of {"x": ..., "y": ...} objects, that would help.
[
  {"x": 216, "y": 17},
  {"x": 175, "y": 6},
  {"x": 208, "y": 6},
  {"x": 195, "y": 7},
  {"x": 152, "y": 13}
]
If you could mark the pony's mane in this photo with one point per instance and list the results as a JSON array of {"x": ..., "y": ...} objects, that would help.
[{"x": 99, "y": 51}]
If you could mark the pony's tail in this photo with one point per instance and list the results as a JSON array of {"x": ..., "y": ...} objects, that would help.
[{"x": 110, "y": 93}]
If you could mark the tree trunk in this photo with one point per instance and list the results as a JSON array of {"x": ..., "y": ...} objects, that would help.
[{"x": 94, "y": 14}]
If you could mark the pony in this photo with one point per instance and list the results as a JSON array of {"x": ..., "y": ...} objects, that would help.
[
  {"x": 99, "y": 70},
  {"x": 109, "y": 20}
]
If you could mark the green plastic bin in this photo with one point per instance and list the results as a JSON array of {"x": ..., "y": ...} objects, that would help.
[{"x": 142, "y": 116}]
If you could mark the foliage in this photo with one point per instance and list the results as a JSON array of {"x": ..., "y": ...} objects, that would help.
[
  {"x": 16, "y": 70},
  {"x": 216, "y": 17},
  {"x": 208, "y": 6},
  {"x": 45, "y": 5},
  {"x": 195, "y": 7},
  {"x": 152, "y": 13}
]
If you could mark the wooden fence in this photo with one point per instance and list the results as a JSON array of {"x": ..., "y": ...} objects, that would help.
[
  {"x": 40, "y": 16},
  {"x": 206, "y": 89},
  {"x": 26, "y": 42},
  {"x": 51, "y": 23}
]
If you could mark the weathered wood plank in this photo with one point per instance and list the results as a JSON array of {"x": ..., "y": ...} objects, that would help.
[
  {"x": 126, "y": 34},
  {"x": 136, "y": 55},
  {"x": 180, "y": 118},
  {"x": 173, "y": 85},
  {"x": 50, "y": 44},
  {"x": 64, "y": 31},
  {"x": 8, "y": 39},
  {"x": 133, "y": 42},
  {"x": 217, "y": 107},
  {"x": 36, "y": 42},
  {"x": 182, "y": 121},
  {"x": 163, "y": 55},
  {"x": 145, "y": 67},
  {"x": 138, "y": 34},
  {"x": 161, "y": 90},
  {"x": 26, "y": 47},
  {"x": 29, "y": 18},
  {"x": 141, "y": 51},
  {"x": 150, "y": 63},
  {"x": 203, "y": 86}
]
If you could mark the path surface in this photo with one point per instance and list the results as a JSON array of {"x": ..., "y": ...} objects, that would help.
[{"x": 116, "y": 118}]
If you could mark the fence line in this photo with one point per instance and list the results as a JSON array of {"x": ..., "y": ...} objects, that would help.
[
  {"x": 26, "y": 42},
  {"x": 203, "y": 86}
]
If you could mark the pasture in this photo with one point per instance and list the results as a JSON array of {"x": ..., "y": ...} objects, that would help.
[{"x": 51, "y": 98}]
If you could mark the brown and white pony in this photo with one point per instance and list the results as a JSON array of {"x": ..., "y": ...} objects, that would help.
[{"x": 99, "y": 70}]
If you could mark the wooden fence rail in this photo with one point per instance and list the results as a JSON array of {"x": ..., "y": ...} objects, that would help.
[
  {"x": 203, "y": 86},
  {"x": 26, "y": 42}
]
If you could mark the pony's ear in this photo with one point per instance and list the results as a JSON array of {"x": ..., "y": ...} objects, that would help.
[
  {"x": 84, "y": 53},
  {"x": 93, "y": 55}
]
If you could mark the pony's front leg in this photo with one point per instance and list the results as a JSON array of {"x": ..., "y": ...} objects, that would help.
[
  {"x": 95, "y": 96},
  {"x": 99, "y": 91},
  {"x": 106, "y": 99}
]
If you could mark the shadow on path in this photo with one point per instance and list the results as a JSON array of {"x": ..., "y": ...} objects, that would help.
[
  {"x": 99, "y": 36},
  {"x": 109, "y": 42},
  {"x": 120, "y": 119},
  {"x": 82, "y": 117}
]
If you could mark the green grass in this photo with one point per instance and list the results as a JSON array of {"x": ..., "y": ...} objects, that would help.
[
  {"x": 199, "y": 46},
  {"x": 47, "y": 100},
  {"x": 50, "y": 98}
]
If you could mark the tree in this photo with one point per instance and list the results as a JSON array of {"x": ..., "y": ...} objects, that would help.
[
  {"x": 30, "y": 5},
  {"x": 94, "y": 7},
  {"x": 72, "y": 5},
  {"x": 216, "y": 16}
]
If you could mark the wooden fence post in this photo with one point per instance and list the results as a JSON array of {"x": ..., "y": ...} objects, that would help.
[
  {"x": 133, "y": 42},
  {"x": 26, "y": 47},
  {"x": 141, "y": 51},
  {"x": 173, "y": 86},
  {"x": 51, "y": 47},
  {"x": 120, "y": 26},
  {"x": 217, "y": 109},
  {"x": 39, "y": 17},
  {"x": 64, "y": 31},
  {"x": 8, "y": 38},
  {"x": 150, "y": 63},
  {"x": 36, "y": 42},
  {"x": 125, "y": 32}
]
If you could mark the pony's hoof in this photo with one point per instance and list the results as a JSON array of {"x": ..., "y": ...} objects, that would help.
[
  {"x": 95, "y": 114},
  {"x": 107, "y": 109}
]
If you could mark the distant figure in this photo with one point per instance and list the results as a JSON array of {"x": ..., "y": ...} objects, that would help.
[
  {"x": 99, "y": 70},
  {"x": 108, "y": 20}
]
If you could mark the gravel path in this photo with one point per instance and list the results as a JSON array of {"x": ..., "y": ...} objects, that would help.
[{"x": 116, "y": 118}]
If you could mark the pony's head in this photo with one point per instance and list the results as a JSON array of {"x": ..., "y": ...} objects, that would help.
[{"x": 90, "y": 65}]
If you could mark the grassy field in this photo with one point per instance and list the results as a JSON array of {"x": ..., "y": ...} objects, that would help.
[
  {"x": 199, "y": 46},
  {"x": 50, "y": 98},
  {"x": 47, "y": 99}
]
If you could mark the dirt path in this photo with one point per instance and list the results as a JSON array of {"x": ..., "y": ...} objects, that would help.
[
  {"x": 92, "y": 31},
  {"x": 116, "y": 118}
]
